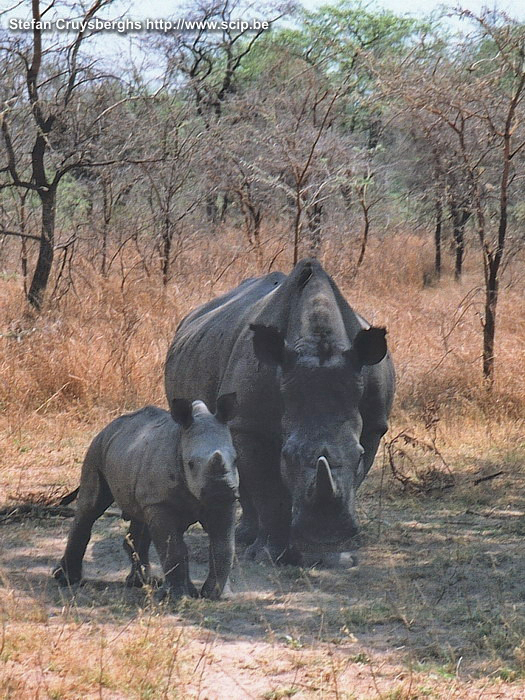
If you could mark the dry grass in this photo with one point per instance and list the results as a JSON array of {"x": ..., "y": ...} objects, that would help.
[
  {"x": 434, "y": 610},
  {"x": 104, "y": 344}
]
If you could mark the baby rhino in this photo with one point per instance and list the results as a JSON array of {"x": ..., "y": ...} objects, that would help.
[{"x": 165, "y": 472}]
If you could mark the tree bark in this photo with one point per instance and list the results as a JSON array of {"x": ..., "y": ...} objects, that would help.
[
  {"x": 35, "y": 296},
  {"x": 460, "y": 252},
  {"x": 460, "y": 216},
  {"x": 297, "y": 223},
  {"x": 437, "y": 238},
  {"x": 489, "y": 324},
  {"x": 167, "y": 238},
  {"x": 314, "y": 215}
]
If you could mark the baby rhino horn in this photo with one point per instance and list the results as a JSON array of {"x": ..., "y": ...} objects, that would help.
[{"x": 217, "y": 465}]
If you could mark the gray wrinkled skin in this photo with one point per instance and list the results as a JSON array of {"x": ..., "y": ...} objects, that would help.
[
  {"x": 314, "y": 389},
  {"x": 165, "y": 472}
]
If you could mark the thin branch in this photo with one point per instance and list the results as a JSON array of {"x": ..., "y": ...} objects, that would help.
[
  {"x": 19, "y": 234},
  {"x": 11, "y": 158},
  {"x": 71, "y": 83}
]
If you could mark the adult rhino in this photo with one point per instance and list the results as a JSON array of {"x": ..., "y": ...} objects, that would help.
[{"x": 314, "y": 384}]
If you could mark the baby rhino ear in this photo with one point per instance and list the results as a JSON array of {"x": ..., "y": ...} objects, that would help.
[
  {"x": 226, "y": 407},
  {"x": 181, "y": 412}
]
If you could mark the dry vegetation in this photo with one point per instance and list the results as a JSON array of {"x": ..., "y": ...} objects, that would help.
[{"x": 435, "y": 608}]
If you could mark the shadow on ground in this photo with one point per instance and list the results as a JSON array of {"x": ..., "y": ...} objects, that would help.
[{"x": 438, "y": 582}]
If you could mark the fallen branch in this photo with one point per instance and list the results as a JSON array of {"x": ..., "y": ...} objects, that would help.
[
  {"x": 13, "y": 514},
  {"x": 487, "y": 478},
  {"x": 38, "y": 505},
  {"x": 404, "y": 452}
]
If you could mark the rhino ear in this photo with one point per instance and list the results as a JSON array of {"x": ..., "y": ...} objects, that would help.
[
  {"x": 270, "y": 347},
  {"x": 226, "y": 407},
  {"x": 369, "y": 347},
  {"x": 181, "y": 412}
]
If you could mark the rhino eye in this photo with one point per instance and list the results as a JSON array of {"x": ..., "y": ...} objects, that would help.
[{"x": 191, "y": 464}]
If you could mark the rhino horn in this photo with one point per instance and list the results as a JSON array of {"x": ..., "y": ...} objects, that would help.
[
  {"x": 217, "y": 465},
  {"x": 324, "y": 481}
]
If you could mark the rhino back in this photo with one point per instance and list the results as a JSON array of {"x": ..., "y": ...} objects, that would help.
[
  {"x": 203, "y": 344},
  {"x": 139, "y": 459}
]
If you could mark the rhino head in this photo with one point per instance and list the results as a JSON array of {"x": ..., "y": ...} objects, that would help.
[
  {"x": 206, "y": 448},
  {"x": 321, "y": 455}
]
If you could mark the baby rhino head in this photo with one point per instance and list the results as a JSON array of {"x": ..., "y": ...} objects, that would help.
[{"x": 206, "y": 447}]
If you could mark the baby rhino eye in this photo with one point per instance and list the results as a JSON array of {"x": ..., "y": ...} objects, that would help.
[{"x": 191, "y": 464}]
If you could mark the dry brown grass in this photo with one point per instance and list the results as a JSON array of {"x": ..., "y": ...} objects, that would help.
[
  {"x": 103, "y": 345},
  {"x": 101, "y": 350}
]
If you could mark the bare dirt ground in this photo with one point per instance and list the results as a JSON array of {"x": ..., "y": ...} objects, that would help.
[{"x": 435, "y": 608}]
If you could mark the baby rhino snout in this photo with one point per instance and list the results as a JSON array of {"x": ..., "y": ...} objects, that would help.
[{"x": 221, "y": 481}]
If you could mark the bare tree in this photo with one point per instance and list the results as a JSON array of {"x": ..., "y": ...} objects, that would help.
[
  {"x": 286, "y": 153},
  {"x": 474, "y": 94},
  {"x": 208, "y": 61},
  {"x": 50, "y": 126},
  {"x": 207, "y": 64},
  {"x": 173, "y": 189}
]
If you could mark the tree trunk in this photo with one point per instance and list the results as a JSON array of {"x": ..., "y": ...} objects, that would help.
[
  {"x": 167, "y": 238},
  {"x": 364, "y": 237},
  {"x": 460, "y": 252},
  {"x": 104, "y": 263},
  {"x": 225, "y": 202},
  {"x": 297, "y": 224},
  {"x": 374, "y": 133},
  {"x": 489, "y": 326},
  {"x": 107, "y": 206},
  {"x": 24, "y": 264},
  {"x": 437, "y": 238},
  {"x": 314, "y": 215},
  {"x": 22, "y": 219},
  {"x": 35, "y": 296},
  {"x": 212, "y": 211},
  {"x": 460, "y": 216}
]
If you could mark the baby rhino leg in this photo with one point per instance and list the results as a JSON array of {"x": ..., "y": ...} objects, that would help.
[
  {"x": 136, "y": 545},
  {"x": 93, "y": 499},
  {"x": 167, "y": 536}
]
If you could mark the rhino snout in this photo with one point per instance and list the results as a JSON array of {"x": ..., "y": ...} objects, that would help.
[
  {"x": 324, "y": 524},
  {"x": 320, "y": 539},
  {"x": 217, "y": 466},
  {"x": 221, "y": 479}
]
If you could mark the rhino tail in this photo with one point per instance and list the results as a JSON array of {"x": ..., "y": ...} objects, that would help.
[{"x": 69, "y": 497}]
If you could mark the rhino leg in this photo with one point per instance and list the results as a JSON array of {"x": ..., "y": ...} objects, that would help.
[
  {"x": 247, "y": 529},
  {"x": 136, "y": 545},
  {"x": 220, "y": 525},
  {"x": 93, "y": 499},
  {"x": 370, "y": 439},
  {"x": 258, "y": 463},
  {"x": 168, "y": 538}
]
